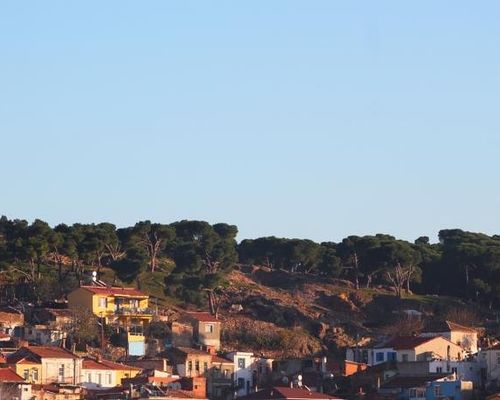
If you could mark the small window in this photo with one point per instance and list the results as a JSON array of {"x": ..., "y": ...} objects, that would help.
[
  {"x": 241, "y": 363},
  {"x": 99, "y": 379},
  {"x": 437, "y": 390},
  {"x": 197, "y": 365},
  {"x": 34, "y": 374},
  {"x": 89, "y": 377},
  {"x": 108, "y": 379},
  {"x": 391, "y": 356},
  {"x": 379, "y": 356},
  {"x": 439, "y": 369},
  {"x": 405, "y": 357},
  {"x": 205, "y": 366},
  {"x": 26, "y": 374},
  {"x": 209, "y": 328},
  {"x": 103, "y": 302},
  {"x": 241, "y": 383},
  {"x": 61, "y": 371},
  {"x": 190, "y": 365},
  {"x": 454, "y": 370}
]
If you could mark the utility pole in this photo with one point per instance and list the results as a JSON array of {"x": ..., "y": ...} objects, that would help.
[{"x": 102, "y": 333}]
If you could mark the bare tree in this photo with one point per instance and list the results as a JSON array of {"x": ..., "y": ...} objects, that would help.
[{"x": 401, "y": 277}]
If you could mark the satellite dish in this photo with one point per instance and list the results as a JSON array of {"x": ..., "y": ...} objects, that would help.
[
  {"x": 299, "y": 377},
  {"x": 94, "y": 276}
]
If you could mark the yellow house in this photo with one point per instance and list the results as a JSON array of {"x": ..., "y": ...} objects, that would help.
[
  {"x": 104, "y": 373},
  {"x": 45, "y": 365},
  {"x": 126, "y": 308}
]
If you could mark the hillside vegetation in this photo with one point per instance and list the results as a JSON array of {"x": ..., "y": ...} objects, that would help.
[{"x": 283, "y": 296}]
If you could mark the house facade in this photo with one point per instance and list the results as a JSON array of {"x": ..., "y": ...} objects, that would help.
[
  {"x": 464, "y": 336},
  {"x": 407, "y": 349},
  {"x": 245, "y": 374},
  {"x": 105, "y": 374},
  {"x": 206, "y": 329},
  {"x": 46, "y": 365},
  {"x": 125, "y": 308}
]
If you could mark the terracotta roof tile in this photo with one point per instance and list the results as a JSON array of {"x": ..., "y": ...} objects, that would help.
[
  {"x": 405, "y": 342},
  {"x": 218, "y": 359},
  {"x": 7, "y": 375},
  {"x": 115, "y": 291},
  {"x": 202, "y": 316},
  {"x": 286, "y": 393},
  {"x": 89, "y": 363}
]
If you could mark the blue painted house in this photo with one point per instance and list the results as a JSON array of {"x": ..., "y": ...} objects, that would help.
[{"x": 429, "y": 387}]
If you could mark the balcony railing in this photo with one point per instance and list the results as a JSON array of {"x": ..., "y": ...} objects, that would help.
[{"x": 133, "y": 311}]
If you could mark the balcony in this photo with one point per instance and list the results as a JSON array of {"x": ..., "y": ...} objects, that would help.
[{"x": 146, "y": 312}]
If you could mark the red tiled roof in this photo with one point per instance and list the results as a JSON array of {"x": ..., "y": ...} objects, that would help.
[
  {"x": 7, "y": 375},
  {"x": 286, "y": 393},
  {"x": 217, "y": 359},
  {"x": 89, "y": 363},
  {"x": 36, "y": 353},
  {"x": 202, "y": 316},
  {"x": 114, "y": 291},
  {"x": 405, "y": 342}
]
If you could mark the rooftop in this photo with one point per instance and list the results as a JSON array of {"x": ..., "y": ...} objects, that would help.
[
  {"x": 405, "y": 342},
  {"x": 411, "y": 381},
  {"x": 90, "y": 363},
  {"x": 7, "y": 375},
  {"x": 446, "y": 326},
  {"x": 279, "y": 392},
  {"x": 202, "y": 316},
  {"x": 115, "y": 291},
  {"x": 35, "y": 353}
]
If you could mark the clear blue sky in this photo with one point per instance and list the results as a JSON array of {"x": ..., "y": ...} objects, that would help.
[{"x": 310, "y": 119}]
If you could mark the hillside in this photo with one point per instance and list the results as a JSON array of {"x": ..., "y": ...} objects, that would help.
[{"x": 297, "y": 314}]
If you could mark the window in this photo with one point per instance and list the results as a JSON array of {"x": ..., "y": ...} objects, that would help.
[
  {"x": 89, "y": 377},
  {"x": 241, "y": 363},
  {"x": 209, "y": 328},
  {"x": 437, "y": 390},
  {"x": 405, "y": 357},
  {"x": 61, "y": 371},
  {"x": 103, "y": 302},
  {"x": 205, "y": 366},
  {"x": 34, "y": 374},
  {"x": 439, "y": 369},
  {"x": 108, "y": 379},
  {"x": 391, "y": 356},
  {"x": 241, "y": 383},
  {"x": 197, "y": 365},
  {"x": 454, "y": 370},
  {"x": 379, "y": 356},
  {"x": 99, "y": 379},
  {"x": 190, "y": 365},
  {"x": 26, "y": 374}
]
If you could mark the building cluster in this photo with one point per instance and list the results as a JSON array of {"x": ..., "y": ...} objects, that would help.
[
  {"x": 444, "y": 361},
  {"x": 37, "y": 362}
]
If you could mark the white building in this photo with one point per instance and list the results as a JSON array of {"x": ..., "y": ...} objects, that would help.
[
  {"x": 245, "y": 372},
  {"x": 461, "y": 335}
]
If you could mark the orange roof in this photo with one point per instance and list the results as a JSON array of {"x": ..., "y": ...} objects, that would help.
[
  {"x": 202, "y": 316},
  {"x": 217, "y": 359},
  {"x": 286, "y": 393},
  {"x": 7, "y": 375},
  {"x": 36, "y": 353},
  {"x": 114, "y": 291},
  {"x": 89, "y": 363},
  {"x": 405, "y": 342}
]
